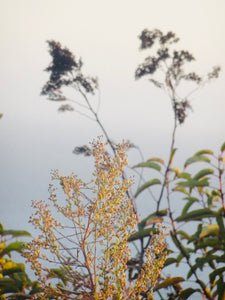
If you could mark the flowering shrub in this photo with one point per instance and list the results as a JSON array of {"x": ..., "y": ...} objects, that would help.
[{"x": 82, "y": 251}]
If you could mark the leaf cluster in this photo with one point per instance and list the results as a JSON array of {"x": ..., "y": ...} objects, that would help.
[
  {"x": 203, "y": 249},
  {"x": 14, "y": 281}
]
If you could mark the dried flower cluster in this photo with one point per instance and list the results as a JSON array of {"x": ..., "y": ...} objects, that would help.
[
  {"x": 82, "y": 251},
  {"x": 170, "y": 64},
  {"x": 65, "y": 70}
]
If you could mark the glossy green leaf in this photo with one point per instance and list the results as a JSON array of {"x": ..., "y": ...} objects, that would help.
[
  {"x": 215, "y": 273},
  {"x": 203, "y": 173},
  {"x": 197, "y": 215},
  {"x": 185, "y": 294},
  {"x": 196, "y": 158},
  {"x": 152, "y": 218},
  {"x": 148, "y": 164},
  {"x": 222, "y": 147},
  {"x": 143, "y": 233},
  {"x": 146, "y": 185},
  {"x": 211, "y": 229},
  {"x": 169, "y": 282}
]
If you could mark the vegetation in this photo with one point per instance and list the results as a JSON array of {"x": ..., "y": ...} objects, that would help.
[
  {"x": 201, "y": 194},
  {"x": 92, "y": 244},
  {"x": 14, "y": 281},
  {"x": 87, "y": 241}
]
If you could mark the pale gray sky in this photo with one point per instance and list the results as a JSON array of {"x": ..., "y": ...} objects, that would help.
[{"x": 35, "y": 138}]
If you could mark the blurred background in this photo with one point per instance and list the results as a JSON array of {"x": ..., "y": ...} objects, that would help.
[{"x": 36, "y": 138}]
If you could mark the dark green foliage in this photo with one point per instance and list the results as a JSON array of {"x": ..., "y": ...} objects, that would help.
[{"x": 14, "y": 281}]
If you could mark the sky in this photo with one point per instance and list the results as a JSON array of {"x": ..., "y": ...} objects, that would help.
[{"x": 36, "y": 138}]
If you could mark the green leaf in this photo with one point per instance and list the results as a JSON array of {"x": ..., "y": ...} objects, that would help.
[
  {"x": 169, "y": 282},
  {"x": 210, "y": 242},
  {"x": 16, "y": 246},
  {"x": 197, "y": 215},
  {"x": 57, "y": 273},
  {"x": 36, "y": 288},
  {"x": 193, "y": 183},
  {"x": 6, "y": 282},
  {"x": 172, "y": 155},
  {"x": 152, "y": 218},
  {"x": 161, "y": 161},
  {"x": 220, "y": 289},
  {"x": 6, "y": 272},
  {"x": 1, "y": 115},
  {"x": 14, "y": 233},
  {"x": 148, "y": 164},
  {"x": 211, "y": 229},
  {"x": 181, "y": 189},
  {"x": 180, "y": 256},
  {"x": 181, "y": 174},
  {"x": 201, "y": 152},
  {"x": 147, "y": 185},
  {"x": 203, "y": 173},
  {"x": 191, "y": 200},
  {"x": 196, "y": 158},
  {"x": 143, "y": 233},
  {"x": 170, "y": 261},
  {"x": 185, "y": 294},
  {"x": 179, "y": 246},
  {"x": 208, "y": 258},
  {"x": 185, "y": 175},
  {"x": 220, "y": 222},
  {"x": 215, "y": 273},
  {"x": 190, "y": 272},
  {"x": 183, "y": 235},
  {"x": 222, "y": 147}
]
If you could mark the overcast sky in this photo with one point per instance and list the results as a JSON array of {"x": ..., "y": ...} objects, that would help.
[{"x": 35, "y": 138}]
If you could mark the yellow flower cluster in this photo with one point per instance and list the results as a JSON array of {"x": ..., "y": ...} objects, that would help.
[{"x": 83, "y": 240}]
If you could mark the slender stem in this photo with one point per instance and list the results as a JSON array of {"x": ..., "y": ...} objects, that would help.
[
  {"x": 169, "y": 161},
  {"x": 181, "y": 248},
  {"x": 97, "y": 120},
  {"x": 109, "y": 142}
]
